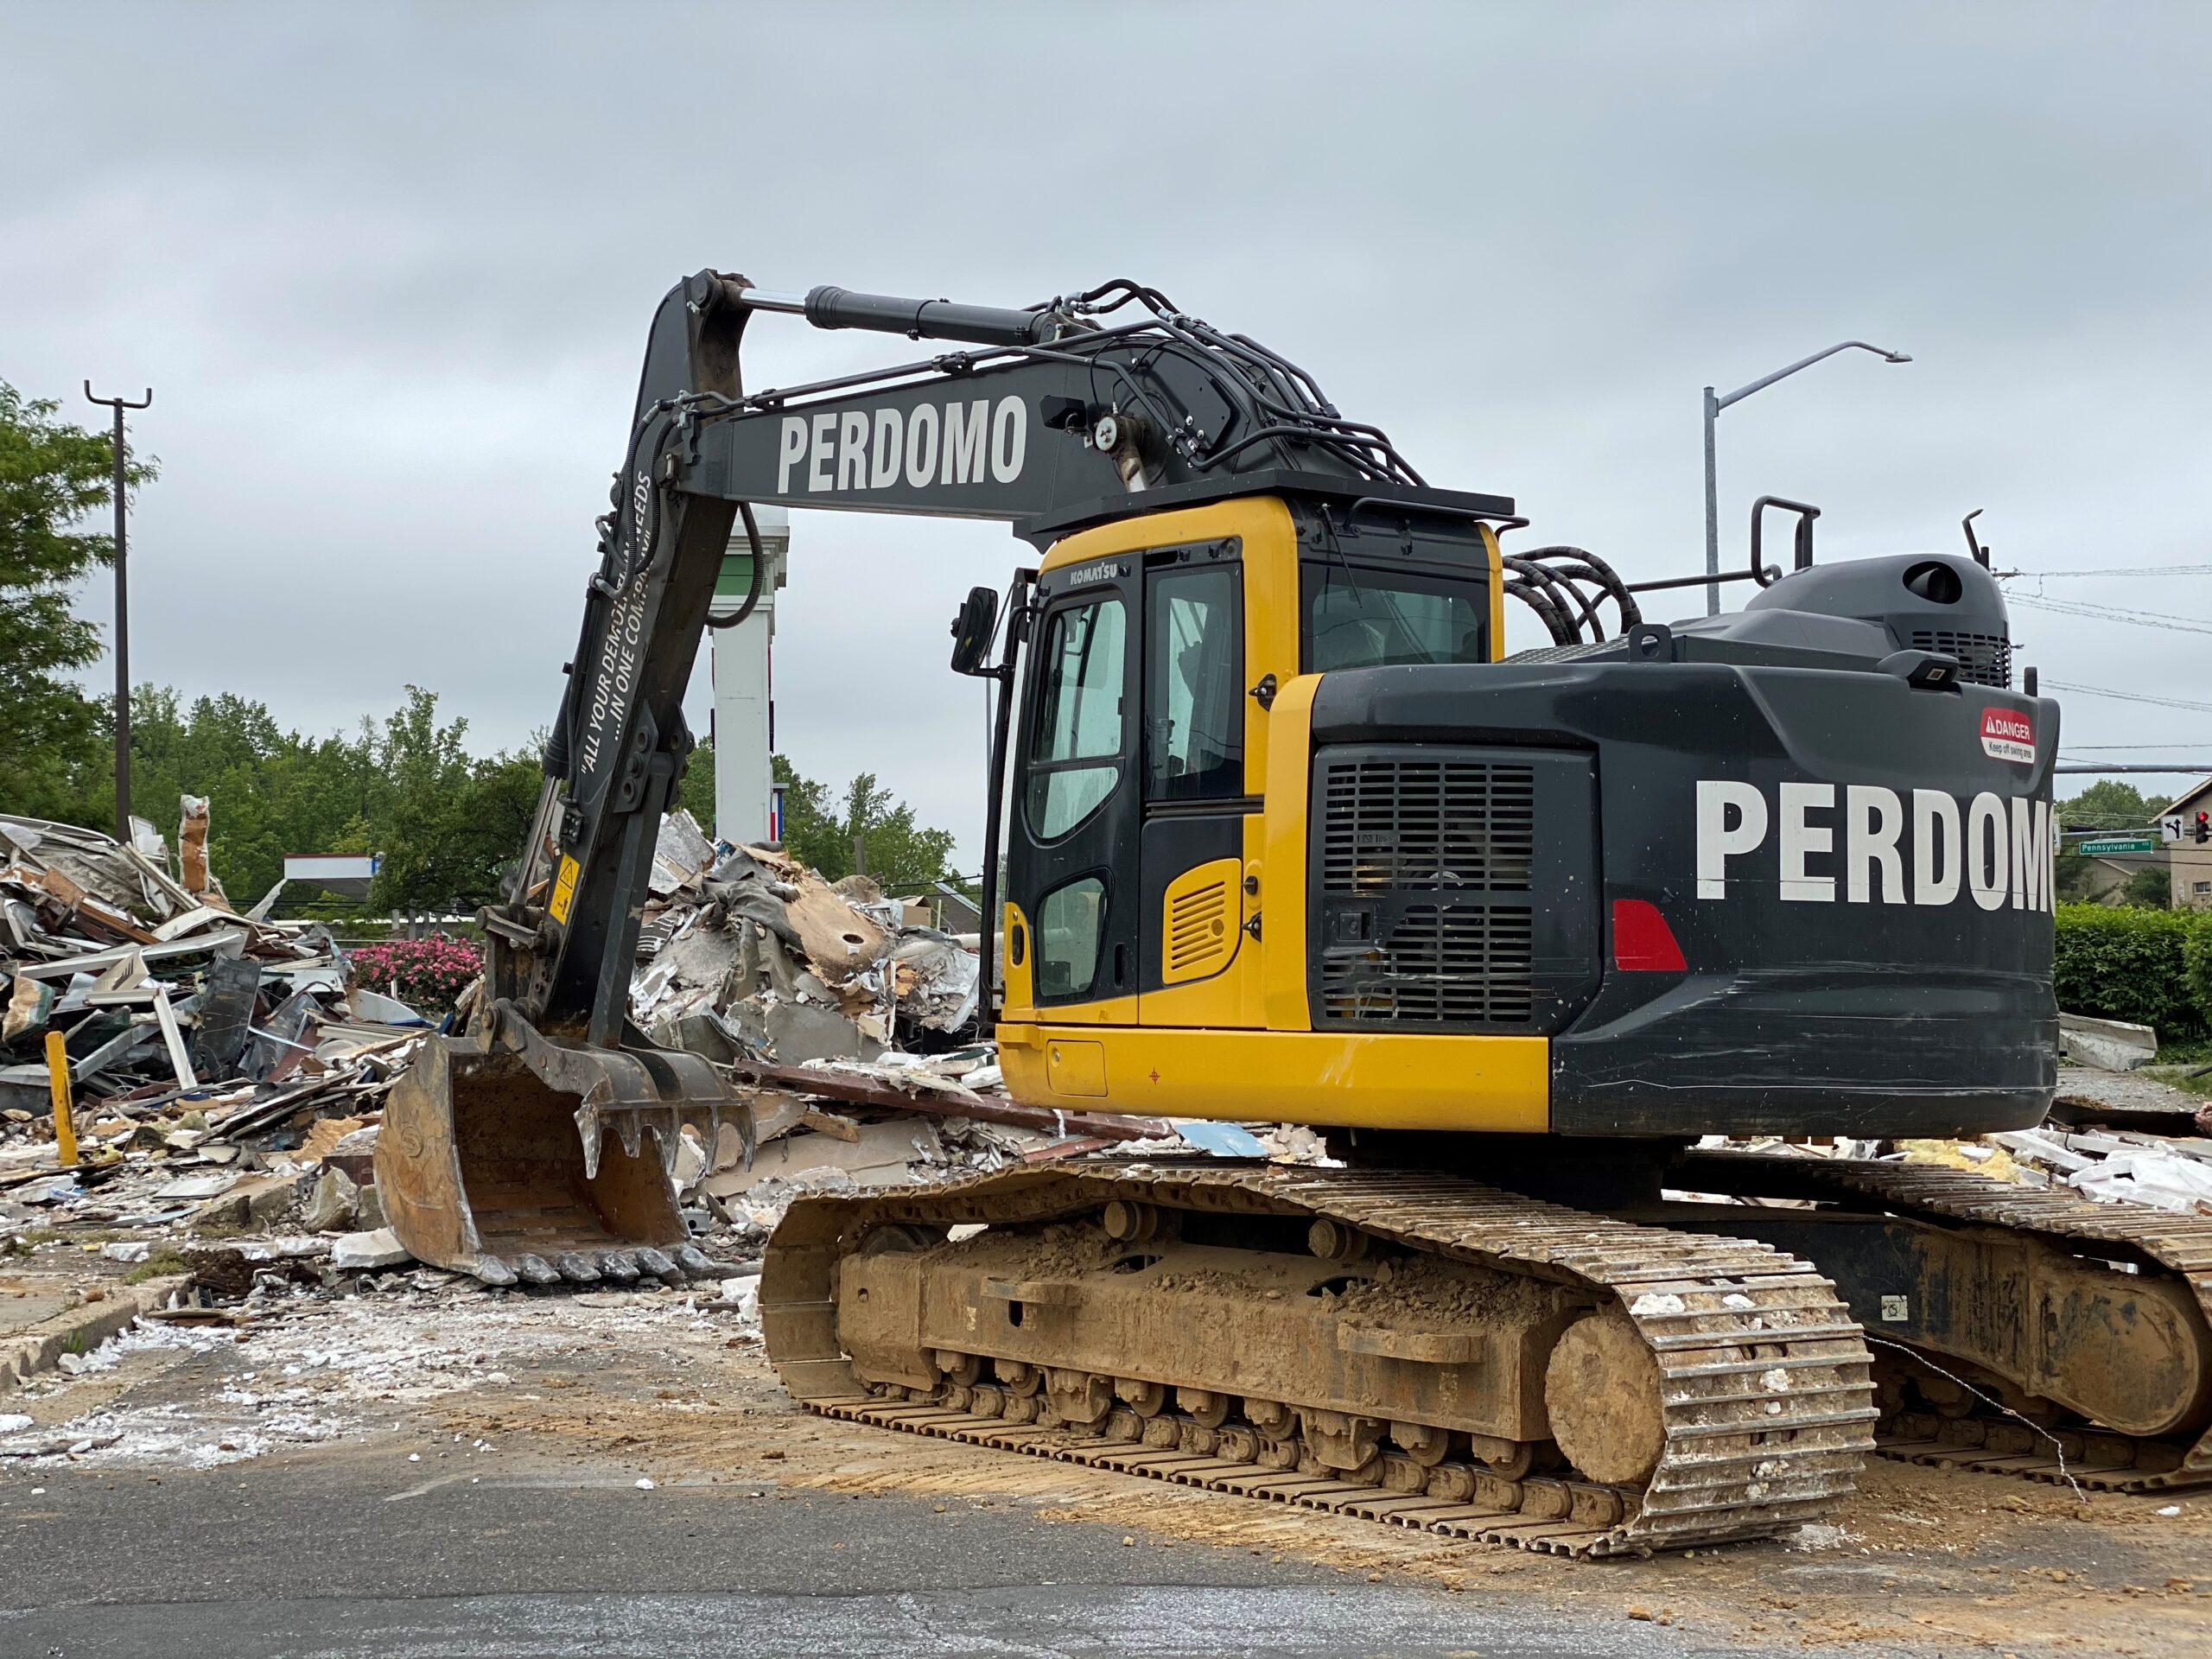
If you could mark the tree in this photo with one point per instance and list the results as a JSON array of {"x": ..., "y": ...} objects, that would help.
[
  {"x": 696, "y": 794},
  {"x": 454, "y": 822},
  {"x": 52, "y": 474},
  {"x": 2108, "y": 804},
  {"x": 2151, "y": 888},
  {"x": 901, "y": 855}
]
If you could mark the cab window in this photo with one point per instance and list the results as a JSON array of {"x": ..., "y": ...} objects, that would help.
[
  {"x": 1362, "y": 617},
  {"x": 1074, "y": 754},
  {"x": 1070, "y": 924},
  {"x": 1193, "y": 691}
]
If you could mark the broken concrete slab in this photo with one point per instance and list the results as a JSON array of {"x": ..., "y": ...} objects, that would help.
[
  {"x": 359, "y": 1252},
  {"x": 877, "y": 1154},
  {"x": 795, "y": 1033},
  {"x": 333, "y": 1203},
  {"x": 2108, "y": 1045},
  {"x": 253, "y": 1199}
]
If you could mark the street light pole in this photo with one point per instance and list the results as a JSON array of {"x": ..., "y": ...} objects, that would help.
[
  {"x": 1712, "y": 508},
  {"x": 122, "y": 618},
  {"x": 1712, "y": 407}
]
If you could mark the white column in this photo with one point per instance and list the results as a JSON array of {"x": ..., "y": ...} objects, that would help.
[{"x": 743, "y": 684}]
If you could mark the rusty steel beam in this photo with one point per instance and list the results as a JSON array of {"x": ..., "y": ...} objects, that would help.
[{"x": 857, "y": 1090}]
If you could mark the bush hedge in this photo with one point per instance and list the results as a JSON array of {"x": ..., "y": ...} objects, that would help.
[
  {"x": 427, "y": 973},
  {"x": 2153, "y": 967}
]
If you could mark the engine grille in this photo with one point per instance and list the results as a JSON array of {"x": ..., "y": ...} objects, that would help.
[
  {"x": 1435, "y": 905},
  {"x": 1984, "y": 658},
  {"x": 1451, "y": 823},
  {"x": 1441, "y": 963}
]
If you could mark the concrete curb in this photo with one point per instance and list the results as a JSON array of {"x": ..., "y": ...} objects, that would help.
[{"x": 83, "y": 1328}]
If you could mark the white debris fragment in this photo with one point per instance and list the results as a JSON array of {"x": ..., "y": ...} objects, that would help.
[
  {"x": 1820, "y": 1535},
  {"x": 1655, "y": 1301},
  {"x": 2152, "y": 1175},
  {"x": 359, "y": 1252},
  {"x": 645, "y": 1485},
  {"x": 13, "y": 1422}
]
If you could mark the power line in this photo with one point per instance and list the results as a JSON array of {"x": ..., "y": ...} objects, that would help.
[
  {"x": 2114, "y": 613},
  {"x": 2129, "y": 696},
  {"x": 2136, "y": 570}
]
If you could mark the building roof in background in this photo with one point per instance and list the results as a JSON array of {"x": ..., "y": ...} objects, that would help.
[{"x": 2188, "y": 795}]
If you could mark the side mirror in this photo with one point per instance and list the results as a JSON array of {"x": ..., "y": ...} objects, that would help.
[{"x": 972, "y": 630}]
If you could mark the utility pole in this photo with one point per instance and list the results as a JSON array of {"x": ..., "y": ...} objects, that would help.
[{"x": 122, "y": 618}]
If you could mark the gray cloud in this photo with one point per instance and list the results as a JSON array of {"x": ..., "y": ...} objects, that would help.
[{"x": 389, "y": 270}]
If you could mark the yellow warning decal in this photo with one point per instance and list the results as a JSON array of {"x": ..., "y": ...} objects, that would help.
[{"x": 564, "y": 890}]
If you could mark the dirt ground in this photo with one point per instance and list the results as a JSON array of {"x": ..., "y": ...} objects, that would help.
[{"x": 1918, "y": 1561}]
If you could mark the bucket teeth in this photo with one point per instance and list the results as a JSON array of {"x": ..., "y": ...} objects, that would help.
[
  {"x": 590, "y": 1130},
  {"x": 620, "y": 1265},
  {"x": 693, "y": 1261},
  {"x": 576, "y": 1268},
  {"x": 536, "y": 1269},
  {"x": 659, "y": 1266},
  {"x": 490, "y": 1270}
]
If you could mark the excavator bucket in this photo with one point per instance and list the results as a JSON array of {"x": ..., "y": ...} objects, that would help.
[{"x": 523, "y": 1160}]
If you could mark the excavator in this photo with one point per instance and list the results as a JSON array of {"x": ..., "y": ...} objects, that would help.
[{"x": 1278, "y": 829}]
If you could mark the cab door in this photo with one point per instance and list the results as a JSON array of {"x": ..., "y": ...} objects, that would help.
[
  {"x": 1073, "y": 836},
  {"x": 1196, "y": 809}
]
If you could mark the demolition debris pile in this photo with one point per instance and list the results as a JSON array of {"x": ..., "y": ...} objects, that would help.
[
  {"x": 226, "y": 1071},
  {"x": 216, "y": 1061},
  {"x": 849, "y": 1023}
]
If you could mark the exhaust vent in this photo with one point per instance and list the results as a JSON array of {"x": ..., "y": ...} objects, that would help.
[
  {"x": 1200, "y": 921},
  {"x": 1984, "y": 658}
]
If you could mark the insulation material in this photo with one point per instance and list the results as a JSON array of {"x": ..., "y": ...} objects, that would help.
[
  {"x": 746, "y": 951},
  {"x": 191, "y": 845}
]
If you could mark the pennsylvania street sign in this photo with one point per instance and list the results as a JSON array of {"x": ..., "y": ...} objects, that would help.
[{"x": 2102, "y": 846}]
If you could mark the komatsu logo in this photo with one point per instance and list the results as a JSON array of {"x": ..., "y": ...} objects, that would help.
[
  {"x": 1871, "y": 846},
  {"x": 859, "y": 449}
]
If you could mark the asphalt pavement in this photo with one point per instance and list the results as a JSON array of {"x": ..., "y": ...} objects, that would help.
[{"x": 344, "y": 1555}]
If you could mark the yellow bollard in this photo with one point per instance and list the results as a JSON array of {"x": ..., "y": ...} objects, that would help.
[{"x": 57, "y": 1071}]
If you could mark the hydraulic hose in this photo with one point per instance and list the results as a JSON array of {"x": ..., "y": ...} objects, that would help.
[{"x": 759, "y": 564}]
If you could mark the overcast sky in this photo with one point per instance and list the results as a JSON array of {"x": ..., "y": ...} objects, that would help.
[{"x": 388, "y": 269}]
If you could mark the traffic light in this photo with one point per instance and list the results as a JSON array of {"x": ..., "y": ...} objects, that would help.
[{"x": 2203, "y": 831}]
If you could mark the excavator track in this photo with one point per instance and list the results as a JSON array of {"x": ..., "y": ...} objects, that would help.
[
  {"x": 2152, "y": 1244},
  {"x": 1761, "y": 1378}
]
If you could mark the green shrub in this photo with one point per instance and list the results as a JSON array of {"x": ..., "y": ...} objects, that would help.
[
  {"x": 2196, "y": 966},
  {"x": 2153, "y": 967}
]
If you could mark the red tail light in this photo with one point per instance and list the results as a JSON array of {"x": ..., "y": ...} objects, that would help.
[{"x": 1643, "y": 943}]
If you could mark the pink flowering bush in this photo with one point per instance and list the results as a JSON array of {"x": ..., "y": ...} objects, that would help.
[{"x": 428, "y": 974}]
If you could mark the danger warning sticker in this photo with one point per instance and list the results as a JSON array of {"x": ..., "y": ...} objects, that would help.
[{"x": 2008, "y": 734}]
